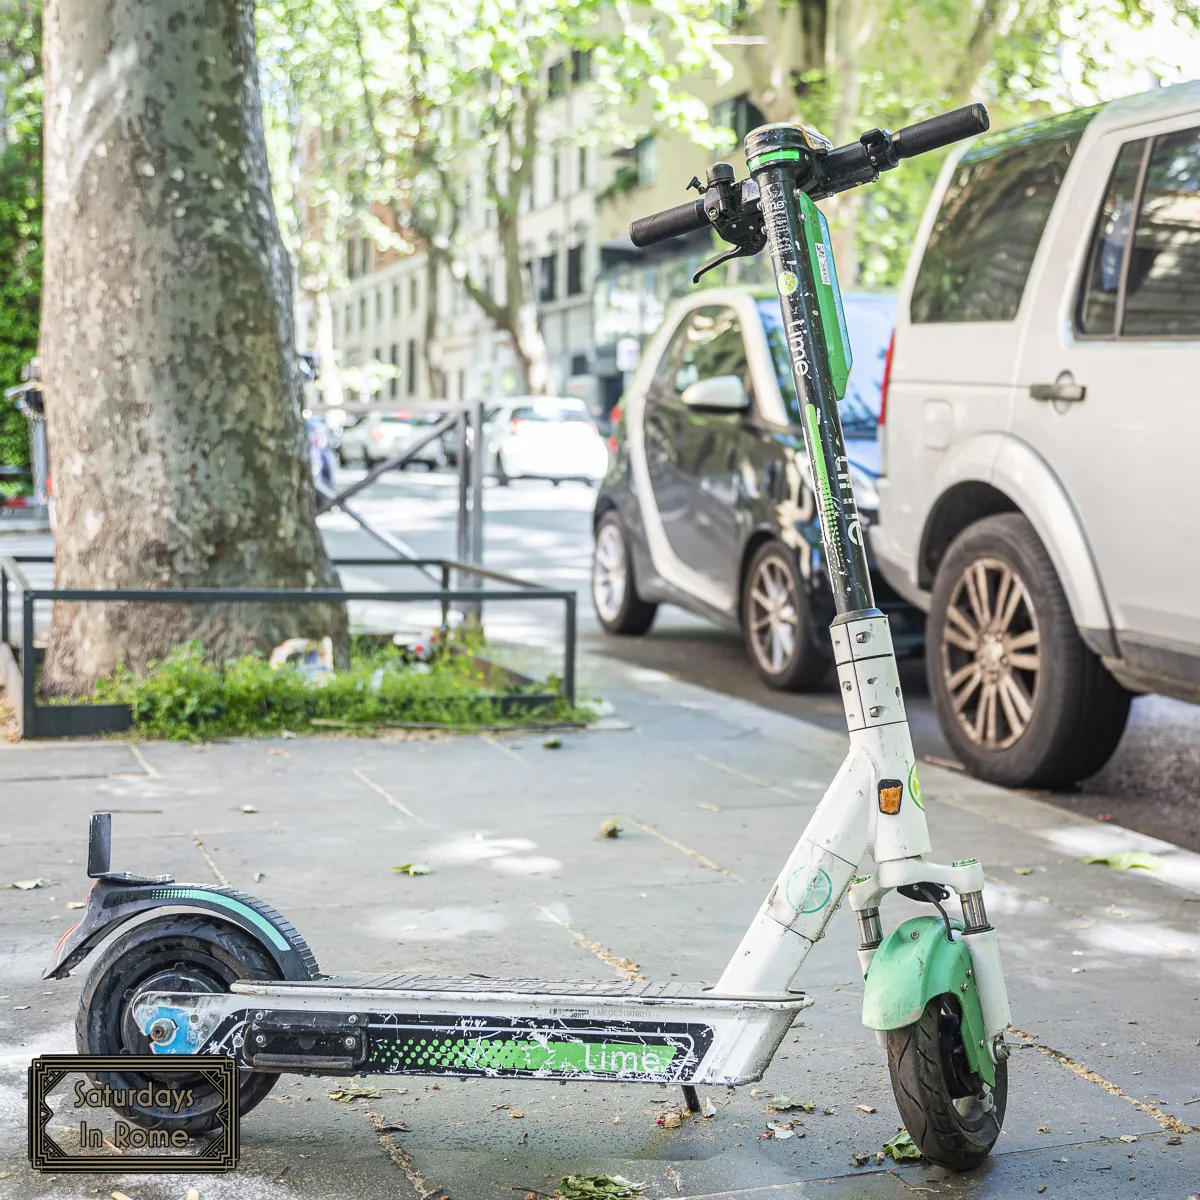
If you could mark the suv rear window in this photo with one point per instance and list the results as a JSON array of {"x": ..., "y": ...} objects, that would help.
[{"x": 988, "y": 228}]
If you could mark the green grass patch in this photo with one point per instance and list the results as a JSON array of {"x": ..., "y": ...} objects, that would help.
[{"x": 188, "y": 697}]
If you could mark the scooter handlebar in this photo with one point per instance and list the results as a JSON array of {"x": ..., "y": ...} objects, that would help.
[
  {"x": 940, "y": 131},
  {"x": 671, "y": 222}
]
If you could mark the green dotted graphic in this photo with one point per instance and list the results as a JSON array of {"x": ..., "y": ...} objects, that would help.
[
  {"x": 436, "y": 1052},
  {"x": 788, "y": 283}
]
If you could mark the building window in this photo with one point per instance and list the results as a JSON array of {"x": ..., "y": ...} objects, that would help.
[
  {"x": 488, "y": 281},
  {"x": 378, "y": 305},
  {"x": 555, "y": 173},
  {"x": 581, "y": 66},
  {"x": 645, "y": 157},
  {"x": 362, "y": 312},
  {"x": 395, "y": 299},
  {"x": 462, "y": 385},
  {"x": 377, "y": 384},
  {"x": 351, "y": 258},
  {"x": 556, "y": 79},
  {"x": 412, "y": 294},
  {"x": 364, "y": 256},
  {"x": 575, "y": 271},
  {"x": 579, "y": 364},
  {"x": 410, "y": 367},
  {"x": 583, "y": 167},
  {"x": 394, "y": 382},
  {"x": 547, "y": 270},
  {"x": 349, "y": 321},
  {"x": 739, "y": 114}
]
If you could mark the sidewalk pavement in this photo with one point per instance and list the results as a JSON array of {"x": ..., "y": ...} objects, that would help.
[{"x": 711, "y": 793}]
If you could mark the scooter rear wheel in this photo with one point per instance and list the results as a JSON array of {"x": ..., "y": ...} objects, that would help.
[
  {"x": 179, "y": 953},
  {"x": 951, "y": 1114}
]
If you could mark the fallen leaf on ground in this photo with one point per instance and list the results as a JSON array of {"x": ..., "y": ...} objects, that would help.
[
  {"x": 515, "y": 1113},
  {"x": 669, "y": 1120},
  {"x": 76, "y": 904},
  {"x": 864, "y": 1108},
  {"x": 709, "y": 1109},
  {"x": 859, "y": 1159},
  {"x": 258, "y": 877},
  {"x": 119, "y": 1196},
  {"x": 781, "y": 1132},
  {"x": 6, "y": 1174},
  {"x": 414, "y": 869},
  {"x": 194, "y": 1193},
  {"x": 787, "y": 1104},
  {"x": 20, "y": 1007},
  {"x": 553, "y": 743},
  {"x": 1043, "y": 1129},
  {"x": 27, "y": 885},
  {"x": 1127, "y": 1138},
  {"x": 287, "y": 735},
  {"x": 598, "y": 1187},
  {"x": 610, "y": 828},
  {"x": 350, "y": 1093},
  {"x": 249, "y": 808},
  {"x": 710, "y": 807},
  {"x": 902, "y": 1148},
  {"x": 1175, "y": 1141},
  {"x": 392, "y": 1127},
  {"x": 279, "y": 753},
  {"x": 1126, "y": 860},
  {"x": 1023, "y": 870}
]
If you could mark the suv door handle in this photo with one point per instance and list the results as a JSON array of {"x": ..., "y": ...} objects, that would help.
[{"x": 1071, "y": 392}]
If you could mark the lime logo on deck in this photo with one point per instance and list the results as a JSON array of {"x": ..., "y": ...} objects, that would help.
[
  {"x": 431, "y": 1053},
  {"x": 809, "y": 889},
  {"x": 914, "y": 787},
  {"x": 788, "y": 283}
]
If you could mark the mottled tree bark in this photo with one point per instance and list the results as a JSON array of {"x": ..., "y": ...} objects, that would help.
[{"x": 178, "y": 451}]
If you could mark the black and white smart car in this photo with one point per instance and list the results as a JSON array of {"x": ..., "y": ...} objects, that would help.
[{"x": 708, "y": 501}]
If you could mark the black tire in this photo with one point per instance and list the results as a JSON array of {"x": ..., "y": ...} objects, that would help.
[
  {"x": 618, "y": 606},
  {"x": 952, "y": 1116},
  {"x": 801, "y": 666},
  {"x": 1074, "y": 711},
  {"x": 182, "y": 952},
  {"x": 502, "y": 476}
]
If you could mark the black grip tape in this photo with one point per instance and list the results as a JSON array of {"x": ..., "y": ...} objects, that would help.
[
  {"x": 940, "y": 131},
  {"x": 671, "y": 222}
]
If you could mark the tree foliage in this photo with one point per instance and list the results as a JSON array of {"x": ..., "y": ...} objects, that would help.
[
  {"x": 431, "y": 112},
  {"x": 20, "y": 211}
]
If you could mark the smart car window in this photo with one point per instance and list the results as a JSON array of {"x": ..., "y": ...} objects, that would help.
[
  {"x": 712, "y": 346},
  {"x": 990, "y": 222},
  {"x": 1102, "y": 279},
  {"x": 1162, "y": 289}
]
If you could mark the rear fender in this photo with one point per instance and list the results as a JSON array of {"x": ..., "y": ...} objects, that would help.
[
  {"x": 915, "y": 963},
  {"x": 115, "y": 904}
]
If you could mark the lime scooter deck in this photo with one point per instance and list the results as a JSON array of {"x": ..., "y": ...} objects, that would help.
[{"x": 396, "y": 1023}]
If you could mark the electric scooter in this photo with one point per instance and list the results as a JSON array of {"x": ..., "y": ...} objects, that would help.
[{"x": 189, "y": 969}]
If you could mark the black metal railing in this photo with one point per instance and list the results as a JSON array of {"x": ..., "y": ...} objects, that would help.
[{"x": 19, "y": 657}]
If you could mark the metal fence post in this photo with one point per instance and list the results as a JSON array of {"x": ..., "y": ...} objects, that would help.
[
  {"x": 3, "y": 605},
  {"x": 475, "y": 545},
  {"x": 569, "y": 655},
  {"x": 28, "y": 669}
]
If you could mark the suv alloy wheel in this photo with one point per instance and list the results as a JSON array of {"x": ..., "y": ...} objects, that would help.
[{"x": 1020, "y": 698}]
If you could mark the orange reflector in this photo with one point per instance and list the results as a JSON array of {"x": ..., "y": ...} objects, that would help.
[{"x": 890, "y": 793}]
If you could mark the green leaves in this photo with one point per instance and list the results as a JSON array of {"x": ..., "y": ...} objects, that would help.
[
  {"x": 597, "y": 1187},
  {"x": 902, "y": 1148},
  {"x": 1128, "y": 860}
]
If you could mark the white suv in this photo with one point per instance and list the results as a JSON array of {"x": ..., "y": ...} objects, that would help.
[{"x": 1042, "y": 434}]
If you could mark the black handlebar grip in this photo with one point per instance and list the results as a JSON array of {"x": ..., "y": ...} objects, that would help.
[
  {"x": 671, "y": 222},
  {"x": 940, "y": 131}
]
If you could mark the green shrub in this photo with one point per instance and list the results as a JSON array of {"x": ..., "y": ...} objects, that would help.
[{"x": 186, "y": 696}]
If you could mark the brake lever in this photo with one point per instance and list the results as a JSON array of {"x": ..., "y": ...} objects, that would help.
[{"x": 725, "y": 256}]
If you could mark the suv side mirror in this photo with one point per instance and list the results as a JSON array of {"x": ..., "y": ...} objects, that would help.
[{"x": 723, "y": 393}]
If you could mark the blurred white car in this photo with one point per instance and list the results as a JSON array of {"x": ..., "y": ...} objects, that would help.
[
  {"x": 545, "y": 437},
  {"x": 379, "y": 436}
]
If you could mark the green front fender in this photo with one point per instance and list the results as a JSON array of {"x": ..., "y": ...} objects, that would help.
[{"x": 914, "y": 964}]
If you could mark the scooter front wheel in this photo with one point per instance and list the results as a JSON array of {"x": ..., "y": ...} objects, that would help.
[
  {"x": 951, "y": 1114},
  {"x": 181, "y": 953}
]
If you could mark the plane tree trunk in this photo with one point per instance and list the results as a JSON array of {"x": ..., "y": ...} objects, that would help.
[{"x": 178, "y": 451}]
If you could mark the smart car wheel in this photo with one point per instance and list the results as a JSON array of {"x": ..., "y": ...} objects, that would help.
[
  {"x": 614, "y": 593},
  {"x": 1018, "y": 695},
  {"x": 777, "y": 623}
]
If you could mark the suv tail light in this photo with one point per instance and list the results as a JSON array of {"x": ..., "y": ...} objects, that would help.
[{"x": 887, "y": 379}]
